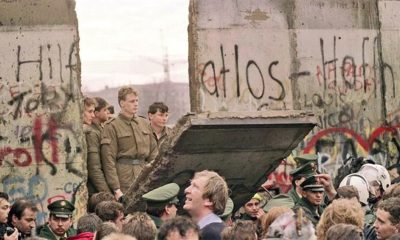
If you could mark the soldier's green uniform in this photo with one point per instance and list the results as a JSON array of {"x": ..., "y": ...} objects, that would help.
[
  {"x": 60, "y": 209},
  {"x": 311, "y": 211},
  {"x": 159, "y": 198},
  {"x": 228, "y": 210},
  {"x": 305, "y": 170},
  {"x": 281, "y": 200},
  {"x": 305, "y": 159},
  {"x": 127, "y": 145},
  {"x": 164, "y": 135},
  {"x": 96, "y": 179}
]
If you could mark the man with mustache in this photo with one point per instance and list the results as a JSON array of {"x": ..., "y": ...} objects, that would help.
[{"x": 60, "y": 222}]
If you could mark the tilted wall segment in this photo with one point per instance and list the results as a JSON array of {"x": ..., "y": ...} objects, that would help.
[
  {"x": 41, "y": 148},
  {"x": 337, "y": 58}
]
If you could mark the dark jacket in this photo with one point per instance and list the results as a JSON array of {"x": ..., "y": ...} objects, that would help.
[
  {"x": 212, "y": 231},
  {"x": 45, "y": 232},
  {"x": 294, "y": 196},
  {"x": 310, "y": 211}
]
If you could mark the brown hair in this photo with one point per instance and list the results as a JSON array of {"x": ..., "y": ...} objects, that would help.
[
  {"x": 344, "y": 231},
  {"x": 244, "y": 230},
  {"x": 100, "y": 103},
  {"x": 98, "y": 198},
  {"x": 140, "y": 226},
  {"x": 109, "y": 210},
  {"x": 105, "y": 229},
  {"x": 157, "y": 106},
  {"x": 87, "y": 102},
  {"x": 125, "y": 91},
  {"x": 216, "y": 190},
  {"x": 392, "y": 191},
  {"x": 340, "y": 211},
  {"x": 272, "y": 214},
  {"x": 348, "y": 192},
  {"x": 392, "y": 206}
]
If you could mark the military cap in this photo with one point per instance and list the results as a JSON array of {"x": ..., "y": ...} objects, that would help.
[
  {"x": 281, "y": 200},
  {"x": 162, "y": 196},
  {"x": 61, "y": 208},
  {"x": 305, "y": 170},
  {"x": 228, "y": 208},
  {"x": 306, "y": 158},
  {"x": 311, "y": 184}
]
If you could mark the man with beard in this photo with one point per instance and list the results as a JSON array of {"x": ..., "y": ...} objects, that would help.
[{"x": 59, "y": 225}]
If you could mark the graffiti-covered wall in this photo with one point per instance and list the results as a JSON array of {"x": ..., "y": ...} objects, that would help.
[
  {"x": 336, "y": 58},
  {"x": 40, "y": 125}
]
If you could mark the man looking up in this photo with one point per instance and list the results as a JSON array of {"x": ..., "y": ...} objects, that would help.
[
  {"x": 127, "y": 144},
  {"x": 206, "y": 197}
]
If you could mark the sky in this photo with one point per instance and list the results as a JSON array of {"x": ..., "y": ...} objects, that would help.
[{"x": 125, "y": 41}]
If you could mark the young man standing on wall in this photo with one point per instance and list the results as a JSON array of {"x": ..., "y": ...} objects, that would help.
[
  {"x": 158, "y": 116},
  {"x": 127, "y": 144},
  {"x": 96, "y": 179}
]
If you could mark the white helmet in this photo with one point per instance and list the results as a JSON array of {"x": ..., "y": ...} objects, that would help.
[
  {"x": 376, "y": 172},
  {"x": 359, "y": 182}
]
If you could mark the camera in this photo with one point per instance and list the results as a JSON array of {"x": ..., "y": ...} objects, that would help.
[{"x": 9, "y": 231}]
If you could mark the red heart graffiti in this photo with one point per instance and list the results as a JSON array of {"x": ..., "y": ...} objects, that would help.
[{"x": 366, "y": 144}]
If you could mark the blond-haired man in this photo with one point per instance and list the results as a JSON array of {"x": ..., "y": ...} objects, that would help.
[
  {"x": 127, "y": 144},
  {"x": 206, "y": 198}
]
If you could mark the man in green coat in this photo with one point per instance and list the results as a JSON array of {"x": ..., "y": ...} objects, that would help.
[
  {"x": 312, "y": 201},
  {"x": 96, "y": 180},
  {"x": 127, "y": 144},
  {"x": 60, "y": 223},
  {"x": 298, "y": 176},
  {"x": 161, "y": 203}
]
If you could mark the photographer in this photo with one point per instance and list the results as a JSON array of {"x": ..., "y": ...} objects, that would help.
[{"x": 6, "y": 232}]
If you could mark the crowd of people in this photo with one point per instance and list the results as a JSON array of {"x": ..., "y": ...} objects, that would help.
[{"x": 365, "y": 204}]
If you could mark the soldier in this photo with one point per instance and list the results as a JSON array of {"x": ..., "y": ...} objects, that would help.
[
  {"x": 127, "y": 144},
  {"x": 96, "y": 180},
  {"x": 60, "y": 223},
  {"x": 312, "y": 199},
  {"x": 206, "y": 198},
  {"x": 281, "y": 200},
  {"x": 158, "y": 116},
  {"x": 298, "y": 176},
  {"x": 88, "y": 112},
  {"x": 304, "y": 159},
  {"x": 227, "y": 215},
  {"x": 161, "y": 203}
]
